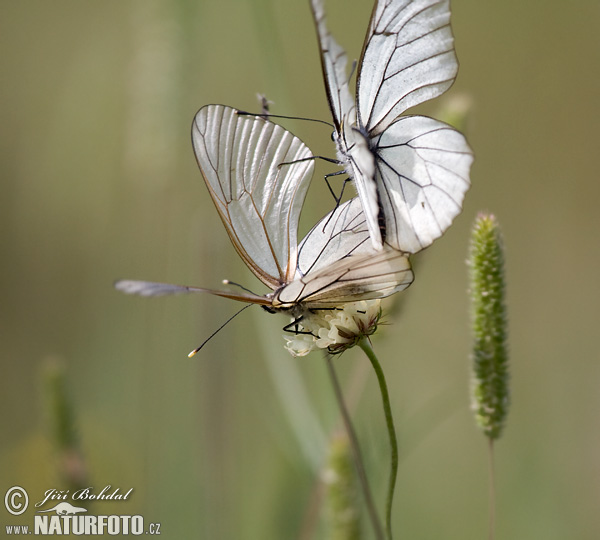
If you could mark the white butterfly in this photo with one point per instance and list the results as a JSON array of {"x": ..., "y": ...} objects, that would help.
[
  {"x": 411, "y": 172},
  {"x": 257, "y": 174}
]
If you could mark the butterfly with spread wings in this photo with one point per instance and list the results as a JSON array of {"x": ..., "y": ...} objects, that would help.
[
  {"x": 411, "y": 172},
  {"x": 257, "y": 174}
]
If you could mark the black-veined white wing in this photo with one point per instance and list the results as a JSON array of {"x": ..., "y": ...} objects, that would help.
[
  {"x": 408, "y": 58},
  {"x": 154, "y": 288},
  {"x": 333, "y": 61},
  {"x": 343, "y": 232},
  {"x": 422, "y": 174},
  {"x": 257, "y": 174},
  {"x": 356, "y": 277},
  {"x": 416, "y": 186},
  {"x": 353, "y": 148},
  {"x": 337, "y": 263}
]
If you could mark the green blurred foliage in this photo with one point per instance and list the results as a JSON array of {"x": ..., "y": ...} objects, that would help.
[{"x": 99, "y": 182}]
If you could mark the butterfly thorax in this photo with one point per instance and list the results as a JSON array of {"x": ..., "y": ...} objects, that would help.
[
  {"x": 282, "y": 298},
  {"x": 294, "y": 309}
]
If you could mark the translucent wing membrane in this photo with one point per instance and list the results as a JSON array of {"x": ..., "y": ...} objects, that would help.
[
  {"x": 353, "y": 149},
  {"x": 408, "y": 58},
  {"x": 355, "y": 277},
  {"x": 340, "y": 234},
  {"x": 333, "y": 60},
  {"x": 422, "y": 176},
  {"x": 257, "y": 174},
  {"x": 337, "y": 263},
  {"x": 152, "y": 288}
]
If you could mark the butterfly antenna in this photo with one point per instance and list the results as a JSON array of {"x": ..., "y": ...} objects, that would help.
[
  {"x": 227, "y": 282},
  {"x": 329, "y": 160},
  {"x": 217, "y": 331},
  {"x": 269, "y": 115}
]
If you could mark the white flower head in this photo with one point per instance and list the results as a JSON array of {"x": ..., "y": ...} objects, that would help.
[{"x": 335, "y": 330}]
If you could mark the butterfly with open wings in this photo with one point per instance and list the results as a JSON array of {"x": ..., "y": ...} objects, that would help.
[
  {"x": 411, "y": 172},
  {"x": 257, "y": 174}
]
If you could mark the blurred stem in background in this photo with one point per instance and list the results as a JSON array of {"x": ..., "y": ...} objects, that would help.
[
  {"x": 342, "y": 495},
  {"x": 455, "y": 110},
  {"x": 355, "y": 448},
  {"x": 490, "y": 378},
  {"x": 60, "y": 417}
]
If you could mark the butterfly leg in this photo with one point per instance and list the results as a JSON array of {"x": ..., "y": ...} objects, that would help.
[
  {"x": 325, "y": 309},
  {"x": 337, "y": 199},
  {"x": 296, "y": 327}
]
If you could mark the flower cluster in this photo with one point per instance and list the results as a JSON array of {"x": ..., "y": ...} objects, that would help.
[{"x": 335, "y": 330}]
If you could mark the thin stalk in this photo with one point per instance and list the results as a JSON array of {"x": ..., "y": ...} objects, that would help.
[
  {"x": 358, "y": 459},
  {"x": 365, "y": 345},
  {"x": 492, "y": 490}
]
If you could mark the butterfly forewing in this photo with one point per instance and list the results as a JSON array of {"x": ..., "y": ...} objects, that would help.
[
  {"x": 152, "y": 288},
  {"x": 408, "y": 58},
  {"x": 333, "y": 61},
  {"x": 257, "y": 174}
]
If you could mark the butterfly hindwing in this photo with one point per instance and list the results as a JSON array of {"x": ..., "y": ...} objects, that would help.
[
  {"x": 343, "y": 232},
  {"x": 364, "y": 276},
  {"x": 337, "y": 263},
  {"x": 422, "y": 176}
]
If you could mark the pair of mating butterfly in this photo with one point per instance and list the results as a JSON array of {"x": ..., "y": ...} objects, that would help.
[{"x": 411, "y": 172}]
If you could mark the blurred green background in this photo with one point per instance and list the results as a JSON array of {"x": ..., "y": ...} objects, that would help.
[{"x": 99, "y": 182}]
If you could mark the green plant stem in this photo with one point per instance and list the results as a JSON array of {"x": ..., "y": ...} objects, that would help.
[
  {"x": 362, "y": 475},
  {"x": 365, "y": 345},
  {"x": 492, "y": 490}
]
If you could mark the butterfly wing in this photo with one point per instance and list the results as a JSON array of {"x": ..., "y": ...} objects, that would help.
[
  {"x": 337, "y": 263},
  {"x": 408, "y": 58},
  {"x": 422, "y": 174},
  {"x": 341, "y": 233},
  {"x": 353, "y": 148},
  {"x": 257, "y": 174},
  {"x": 421, "y": 165},
  {"x": 350, "y": 279},
  {"x": 333, "y": 62},
  {"x": 152, "y": 288}
]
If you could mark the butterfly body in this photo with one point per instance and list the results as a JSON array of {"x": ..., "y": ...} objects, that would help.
[{"x": 354, "y": 152}]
